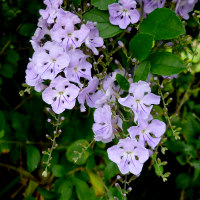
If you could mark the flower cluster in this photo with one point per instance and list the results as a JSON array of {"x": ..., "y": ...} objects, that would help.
[
  {"x": 133, "y": 149},
  {"x": 58, "y": 66},
  {"x": 125, "y": 12}
]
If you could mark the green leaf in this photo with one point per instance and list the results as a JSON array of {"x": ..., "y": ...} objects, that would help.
[
  {"x": 33, "y": 157},
  {"x": 2, "y": 133},
  {"x": 58, "y": 170},
  {"x": 96, "y": 184},
  {"x": 183, "y": 181},
  {"x": 166, "y": 64},
  {"x": 106, "y": 29},
  {"x": 12, "y": 56},
  {"x": 46, "y": 194},
  {"x": 83, "y": 190},
  {"x": 163, "y": 23},
  {"x": 102, "y": 4},
  {"x": 142, "y": 71},
  {"x": 64, "y": 187},
  {"x": 158, "y": 169},
  {"x": 140, "y": 46},
  {"x": 110, "y": 171},
  {"x": 77, "y": 2},
  {"x": 8, "y": 70},
  {"x": 76, "y": 152},
  {"x": 27, "y": 29},
  {"x": 123, "y": 82}
]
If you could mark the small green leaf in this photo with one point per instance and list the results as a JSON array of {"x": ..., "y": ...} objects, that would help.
[
  {"x": 63, "y": 187},
  {"x": 76, "y": 152},
  {"x": 106, "y": 29},
  {"x": 183, "y": 181},
  {"x": 163, "y": 23},
  {"x": 27, "y": 29},
  {"x": 2, "y": 133},
  {"x": 33, "y": 157},
  {"x": 46, "y": 194},
  {"x": 142, "y": 71},
  {"x": 8, "y": 70},
  {"x": 102, "y": 4},
  {"x": 58, "y": 170},
  {"x": 12, "y": 57},
  {"x": 110, "y": 171},
  {"x": 140, "y": 46},
  {"x": 166, "y": 64},
  {"x": 158, "y": 169},
  {"x": 83, "y": 190},
  {"x": 96, "y": 184},
  {"x": 123, "y": 82}
]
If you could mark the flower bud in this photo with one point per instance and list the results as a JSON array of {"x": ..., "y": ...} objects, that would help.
[
  {"x": 88, "y": 5},
  {"x": 121, "y": 44},
  {"x": 130, "y": 189},
  {"x": 62, "y": 118},
  {"x": 44, "y": 173},
  {"x": 49, "y": 120}
]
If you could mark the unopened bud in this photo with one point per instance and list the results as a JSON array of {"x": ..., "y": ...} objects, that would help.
[
  {"x": 79, "y": 9},
  {"x": 44, "y": 173},
  {"x": 121, "y": 44},
  {"x": 60, "y": 131},
  {"x": 88, "y": 5},
  {"x": 49, "y": 120},
  {"x": 130, "y": 189},
  {"x": 118, "y": 177},
  {"x": 48, "y": 109},
  {"x": 128, "y": 29},
  {"x": 116, "y": 62},
  {"x": 62, "y": 118},
  {"x": 54, "y": 132},
  {"x": 111, "y": 39},
  {"x": 155, "y": 78}
]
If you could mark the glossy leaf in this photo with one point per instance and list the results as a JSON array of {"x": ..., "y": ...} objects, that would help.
[
  {"x": 166, "y": 64},
  {"x": 102, "y": 4},
  {"x": 140, "y": 46},
  {"x": 106, "y": 29},
  {"x": 142, "y": 71},
  {"x": 123, "y": 82},
  {"x": 163, "y": 23}
]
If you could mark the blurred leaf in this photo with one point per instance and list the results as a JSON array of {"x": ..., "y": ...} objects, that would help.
[
  {"x": 32, "y": 185},
  {"x": 110, "y": 171},
  {"x": 33, "y": 157},
  {"x": 27, "y": 29},
  {"x": 142, "y": 71},
  {"x": 2, "y": 133},
  {"x": 46, "y": 194},
  {"x": 90, "y": 163},
  {"x": 58, "y": 170},
  {"x": 97, "y": 184},
  {"x": 123, "y": 82},
  {"x": 140, "y": 46},
  {"x": 163, "y": 23},
  {"x": 8, "y": 70},
  {"x": 76, "y": 152},
  {"x": 106, "y": 29},
  {"x": 102, "y": 4},
  {"x": 64, "y": 187},
  {"x": 12, "y": 56},
  {"x": 77, "y": 2},
  {"x": 2, "y": 120},
  {"x": 83, "y": 190},
  {"x": 183, "y": 181},
  {"x": 166, "y": 64}
]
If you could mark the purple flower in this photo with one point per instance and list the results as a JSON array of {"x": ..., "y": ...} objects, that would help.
[
  {"x": 129, "y": 155},
  {"x": 149, "y": 131},
  {"x": 140, "y": 99},
  {"x": 102, "y": 127},
  {"x": 88, "y": 94},
  {"x": 78, "y": 67},
  {"x": 183, "y": 7},
  {"x": 123, "y": 13},
  {"x": 69, "y": 37},
  {"x": 50, "y": 60},
  {"x": 150, "y": 5},
  {"x": 93, "y": 40},
  {"x": 50, "y": 13},
  {"x": 61, "y": 94},
  {"x": 34, "y": 79}
]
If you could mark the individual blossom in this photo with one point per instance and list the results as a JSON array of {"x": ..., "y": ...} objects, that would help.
[
  {"x": 151, "y": 5},
  {"x": 140, "y": 99},
  {"x": 34, "y": 79},
  {"x": 61, "y": 94},
  {"x": 50, "y": 60},
  {"x": 129, "y": 155},
  {"x": 183, "y": 7},
  {"x": 149, "y": 130},
  {"x": 102, "y": 127},
  {"x": 78, "y": 68},
  {"x": 69, "y": 37},
  {"x": 88, "y": 94},
  {"x": 93, "y": 40},
  {"x": 51, "y": 11},
  {"x": 123, "y": 13}
]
